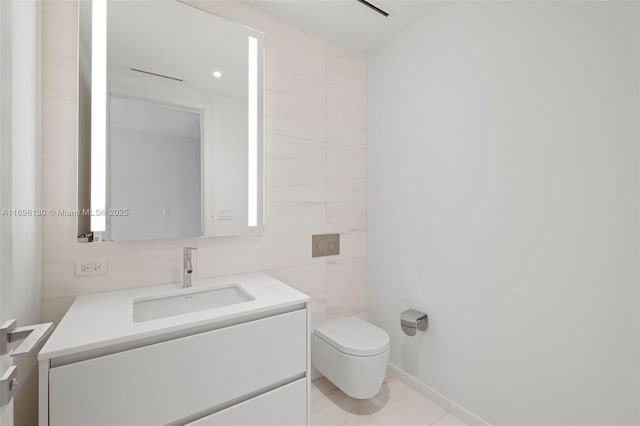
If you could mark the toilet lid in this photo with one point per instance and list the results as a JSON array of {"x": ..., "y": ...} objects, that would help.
[{"x": 353, "y": 336}]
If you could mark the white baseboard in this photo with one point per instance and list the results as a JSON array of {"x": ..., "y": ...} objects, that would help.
[
  {"x": 315, "y": 374},
  {"x": 451, "y": 406}
]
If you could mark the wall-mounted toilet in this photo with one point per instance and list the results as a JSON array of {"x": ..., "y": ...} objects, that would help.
[{"x": 352, "y": 353}]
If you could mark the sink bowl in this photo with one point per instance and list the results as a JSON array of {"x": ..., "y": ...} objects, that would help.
[{"x": 155, "y": 307}]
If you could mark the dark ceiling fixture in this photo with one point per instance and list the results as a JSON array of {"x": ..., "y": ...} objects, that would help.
[
  {"x": 374, "y": 8},
  {"x": 157, "y": 75}
]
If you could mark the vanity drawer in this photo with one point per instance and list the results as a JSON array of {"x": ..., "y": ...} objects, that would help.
[
  {"x": 284, "y": 406},
  {"x": 173, "y": 380}
]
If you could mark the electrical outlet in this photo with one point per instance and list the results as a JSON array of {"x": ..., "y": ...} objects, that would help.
[{"x": 86, "y": 267}]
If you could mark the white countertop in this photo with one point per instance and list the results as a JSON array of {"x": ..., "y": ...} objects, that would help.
[{"x": 99, "y": 321}]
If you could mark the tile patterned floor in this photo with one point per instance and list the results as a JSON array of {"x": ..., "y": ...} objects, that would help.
[{"x": 395, "y": 405}]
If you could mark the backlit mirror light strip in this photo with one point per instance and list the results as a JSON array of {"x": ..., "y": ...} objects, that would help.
[
  {"x": 99, "y": 115},
  {"x": 253, "y": 133}
]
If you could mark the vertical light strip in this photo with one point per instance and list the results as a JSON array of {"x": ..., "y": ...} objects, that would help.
[
  {"x": 253, "y": 133},
  {"x": 98, "y": 114}
]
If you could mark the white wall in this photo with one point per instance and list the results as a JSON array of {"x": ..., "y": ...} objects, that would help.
[
  {"x": 154, "y": 171},
  {"x": 21, "y": 235},
  {"x": 163, "y": 196},
  {"x": 503, "y": 201},
  {"x": 315, "y": 162},
  {"x": 27, "y": 240}
]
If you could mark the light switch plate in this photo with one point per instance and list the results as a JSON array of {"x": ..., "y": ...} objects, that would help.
[{"x": 325, "y": 245}]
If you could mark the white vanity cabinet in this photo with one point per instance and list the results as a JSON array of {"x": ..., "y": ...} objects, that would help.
[
  {"x": 282, "y": 406},
  {"x": 248, "y": 371}
]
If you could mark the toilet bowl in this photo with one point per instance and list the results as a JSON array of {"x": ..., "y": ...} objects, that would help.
[{"x": 352, "y": 353}]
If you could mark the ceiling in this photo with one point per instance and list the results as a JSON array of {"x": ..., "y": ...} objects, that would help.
[
  {"x": 178, "y": 41},
  {"x": 347, "y": 21}
]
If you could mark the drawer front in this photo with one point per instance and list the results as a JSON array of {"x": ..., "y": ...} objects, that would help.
[
  {"x": 284, "y": 406},
  {"x": 169, "y": 381}
]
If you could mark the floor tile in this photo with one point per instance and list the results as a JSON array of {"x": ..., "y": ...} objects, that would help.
[
  {"x": 449, "y": 420},
  {"x": 406, "y": 407},
  {"x": 395, "y": 405}
]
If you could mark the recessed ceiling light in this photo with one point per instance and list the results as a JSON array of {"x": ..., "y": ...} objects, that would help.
[{"x": 217, "y": 74}]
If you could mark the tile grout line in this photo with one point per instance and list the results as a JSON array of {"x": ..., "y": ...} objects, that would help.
[
  {"x": 326, "y": 111},
  {"x": 301, "y": 138},
  {"x": 323, "y": 80},
  {"x": 298, "y": 73},
  {"x": 445, "y": 414},
  {"x": 364, "y": 148},
  {"x": 311, "y": 140},
  {"x": 324, "y": 147},
  {"x": 58, "y": 98}
]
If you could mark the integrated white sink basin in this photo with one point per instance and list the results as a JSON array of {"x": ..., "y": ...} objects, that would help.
[
  {"x": 186, "y": 301},
  {"x": 101, "y": 323}
]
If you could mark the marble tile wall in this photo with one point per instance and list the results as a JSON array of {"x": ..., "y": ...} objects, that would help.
[{"x": 315, "y": 150}]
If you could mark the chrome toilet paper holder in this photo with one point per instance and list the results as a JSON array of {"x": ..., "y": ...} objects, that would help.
[{"x": 412, "y": 320}]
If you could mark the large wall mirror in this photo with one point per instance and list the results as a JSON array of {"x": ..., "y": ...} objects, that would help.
[{"x": 170, "y": 122}]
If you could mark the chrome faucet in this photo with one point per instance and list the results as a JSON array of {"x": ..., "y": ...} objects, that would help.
[{"x": 187, "y": 269}]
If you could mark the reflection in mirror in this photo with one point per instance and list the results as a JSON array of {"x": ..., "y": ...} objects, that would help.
[
  {"x": 182, "y": 111},
  {"x": 169, "y": 184}
]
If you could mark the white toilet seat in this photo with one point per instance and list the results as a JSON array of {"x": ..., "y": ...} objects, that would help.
[
  {"x": 353, "y": 336},
  {"x": 352, "y": 354}
]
